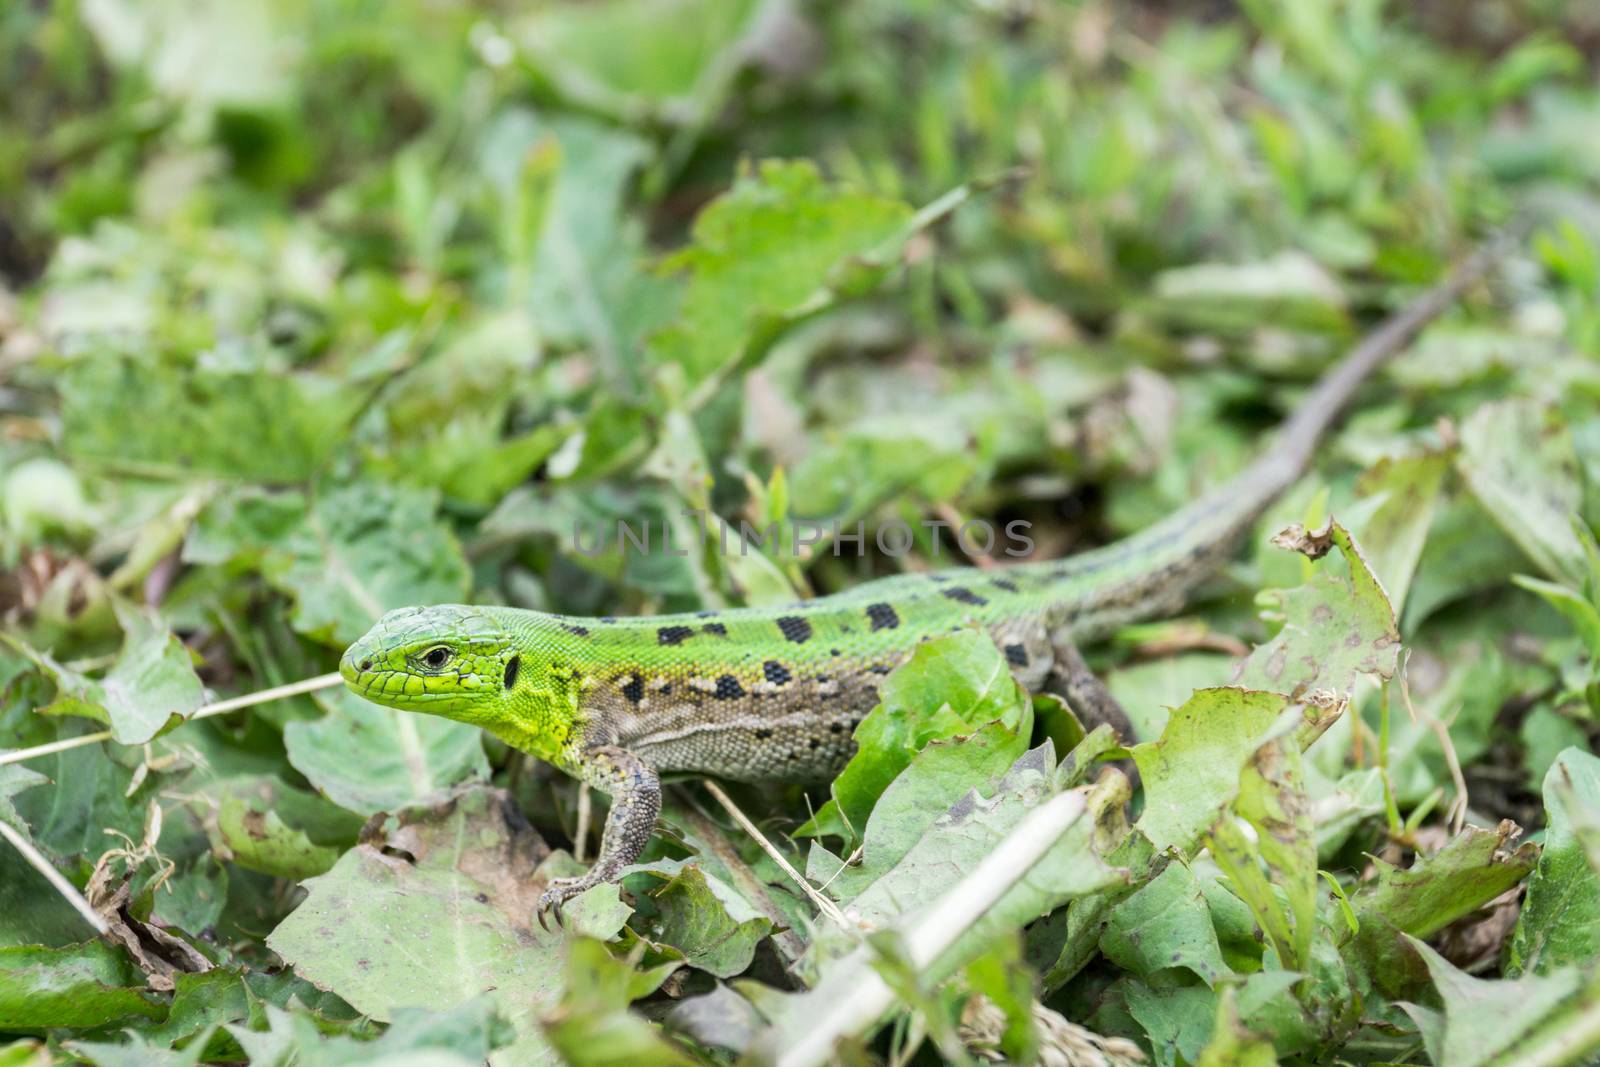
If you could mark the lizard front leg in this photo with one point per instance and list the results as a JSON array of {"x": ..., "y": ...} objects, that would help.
[{"x": 635, "y": 802}]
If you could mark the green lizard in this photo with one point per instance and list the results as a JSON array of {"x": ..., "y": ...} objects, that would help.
[{"x": 765, "y": 694}]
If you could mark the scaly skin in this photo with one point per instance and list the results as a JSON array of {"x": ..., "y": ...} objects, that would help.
[{"x": 758, "y": 694}]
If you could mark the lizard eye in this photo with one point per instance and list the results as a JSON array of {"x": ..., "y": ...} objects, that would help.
[{"x": 436, "y": 658}]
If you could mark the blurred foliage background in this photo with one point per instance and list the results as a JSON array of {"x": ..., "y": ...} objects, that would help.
[{"x": 310, "y": 309}]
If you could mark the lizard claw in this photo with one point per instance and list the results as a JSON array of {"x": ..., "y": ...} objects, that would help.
[{"x": 557, "y": 893}]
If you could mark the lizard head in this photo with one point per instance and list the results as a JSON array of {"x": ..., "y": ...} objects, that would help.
[{"x": 450, "y": 660}]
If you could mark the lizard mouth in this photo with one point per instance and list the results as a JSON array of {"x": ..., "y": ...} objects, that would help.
[{"x": 371, "y": 676}]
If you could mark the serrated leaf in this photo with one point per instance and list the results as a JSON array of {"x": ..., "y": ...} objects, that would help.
[
  {"x": 1336, "y": 626},
  {"x": 151, "y": 685},
  {"x": 1192, "y": 772},
  {"x": 403, "y": 758},
  {"x": 1471, "y": 869}
]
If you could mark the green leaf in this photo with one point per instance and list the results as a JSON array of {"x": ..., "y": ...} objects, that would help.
[
  {"x": 1518, "y": 460},
  {"x": 1192, "y": 772},
  {"x": 89, "y": 985},
  {"x": 152, "y": 684},
  {"x": 952, "y": 684},
  {"x": 263, "y": 825},
  {"x": 774, "y": 243},
  {"x": 1471, "y": 869},
  {"x": 938, "y": 776},
  {"x": 592, "y": 1024},
  {"x": 1483, "y": 1018},
  {"x": 1336, "y": 626},
  {"x": 672, "y": 64},
  {"x": 1232, "y": 1045},
  {"x": 361, "y": 551},
  {"x": 1166, "y": 923},
  {"x": 1560, "y": 919},
  {"x": 959, "y": 838},
  {"x": 439, "y": 910},
  {"x": 403, "y": 757},
  {"x": 713, "y": 926},
  {"x": 1273, "y": 870},
  {"x": 1404, "y": 493}
]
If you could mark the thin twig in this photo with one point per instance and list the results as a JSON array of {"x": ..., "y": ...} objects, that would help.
[
  {"x": 580, "y": 836},
  {"x": 221, "y": 707},
  {"x": 68, "y": 891},
  {"x": 824, "y": 905},
  {"x": 1457, "y": 812}
]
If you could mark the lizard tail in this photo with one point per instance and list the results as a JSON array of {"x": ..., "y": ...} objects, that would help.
[{"x": 1297, "y": 441}]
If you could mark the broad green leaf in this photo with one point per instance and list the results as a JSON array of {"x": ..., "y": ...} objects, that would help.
[
  {"x": 361, "y": 551},
  {"x": 1075, "y": 865},
  {"x": 937, "y": 777},
  {"x": 1519, "y": 462},
  {"x": 1165, "y": 924},
  {"x": 712, "y": 925},
  {"x": 90, "y": 985},
  {"x": 960, "y": 837},
  {"x": 952, "y": 684},
  {"x": 1471, "y": 869},
  {"x": 1192, "y": 773},
  {"x": 780, "y": 238},
  {"x": 1336, "y": 626},
  {"x": 437, "y": 911},
  {"x": 369, "y": 759},
  {"x": 151, "y": 686},
  {"x": 1483, "y": 1018},
  {"x": 1560, "y": 919}
]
